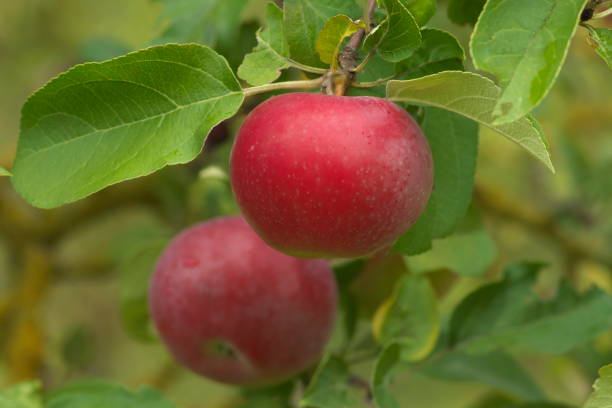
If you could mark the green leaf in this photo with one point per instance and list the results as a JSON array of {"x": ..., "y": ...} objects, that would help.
[
  {"x": 264, "y": 64},
  {"x": 207, "y": 22},
  {"x": 499, "y": 401},
  {"x": 509, "y": 314},
  {"x": 134, "y": 275},
  {"x": 421, "y": 10},
  {"x": 278, "y": 396},
  {"x": 438, "y": 49},
  {"x": 402, "y": 35},
  {"x": 497, "y": 369},
  {"x": 303, "y": 21},
  {"x": 523, "y": 43},
  {"x": 602, "y": 396},
  {"x": 331, "y": 37},
  {"x": 102, "y": 123},
  {"x": 4, "y": 172},
  {"x": 503, "y": 401},
  {"x": 22, "y": 395},
  {"x": 464, "y": 11},
  {"x": 387, "y": 361},
  {"x": 470, "y": 251},
  {"x": 97, "y": 393},
  {"x": 409, "y": 318},
  {"x": 329, "y": 387},
  {"x": 473, "y": 96},
  {"x": 602, "y": 39},
  {"x": 453, "y": 140},
  {"x": 345, "y": 274}
]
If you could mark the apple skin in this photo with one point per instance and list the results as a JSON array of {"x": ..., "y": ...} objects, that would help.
[
  {"x": 233, "y": 309},
  {"x": 330, "y": 176}
]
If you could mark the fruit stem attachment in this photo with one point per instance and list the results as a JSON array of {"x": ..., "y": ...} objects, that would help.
[
  {"x": 349, "y": 55},
  {"x": 308, "y": 84}
]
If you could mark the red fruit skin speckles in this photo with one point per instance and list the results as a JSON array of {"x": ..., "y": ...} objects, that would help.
[
  {"x": 330, "y": 176},
  {"x": 233, "y": 309}
]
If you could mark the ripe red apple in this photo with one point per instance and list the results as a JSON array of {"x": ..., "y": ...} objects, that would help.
[
  {"x": 330, "y": 176},
  {"x": 233, "y": 309}
]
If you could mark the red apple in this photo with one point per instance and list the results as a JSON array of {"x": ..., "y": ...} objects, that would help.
[
  {"x": 330, "y": 176},
  {"x": 233, "y": 309}
]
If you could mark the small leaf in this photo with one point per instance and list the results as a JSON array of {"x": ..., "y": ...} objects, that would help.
[
  {"x": 329, "y": 387},
  {"x": 473, "y": 96},
  {"x": 134, "y": 275},
  {"x": 97, "y": 393},
  {"x": 264, "y": 64},
  {"x": 602, "y": 394},
  {"x": 22, "y": 395},
  {"x": 523, "y": 43},
  {"x": 470, "y": 251},
  {"x": 387, "y": 361},
  {"x": 102, "y": 123},
  {"x": 278, "y": 396},
  {"x": 465, "y": 11},
  {"x": 497, "y": 369},
  {"x": 409, "y": 318},
  {"x": 421, "y": 10},
  {"x": 509, "y": 314},
  {"x": 438, "y": 49},
  {"x": 332, "y": 35},
  {"x": 453, "y": 140},
  {"x": 602, "y": 39},
  {"x": 4, "y": 172},
  {"x": 303, "y": 21},
  {"x": 402, "y": 36}
]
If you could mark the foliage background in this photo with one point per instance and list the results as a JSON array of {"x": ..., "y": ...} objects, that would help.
[{"x": 59, "y": 280}]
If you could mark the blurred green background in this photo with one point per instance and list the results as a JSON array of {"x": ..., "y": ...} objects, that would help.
[{"x": 60, "y": 270}]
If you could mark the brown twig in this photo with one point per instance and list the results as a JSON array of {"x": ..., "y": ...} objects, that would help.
[{"x": 350, "y": 54}]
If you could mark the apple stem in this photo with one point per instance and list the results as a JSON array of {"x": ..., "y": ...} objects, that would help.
[
  {"x": 308, "y": 84},
  {"x": 349, "y": 55}
]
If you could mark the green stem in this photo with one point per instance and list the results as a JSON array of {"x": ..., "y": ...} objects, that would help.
[
  {"x": 372, "y": 84},
  {"x": 306, "y": 68},
  {"x": 309, "y": 84}
]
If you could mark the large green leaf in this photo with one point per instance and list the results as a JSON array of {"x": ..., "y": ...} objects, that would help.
[
  {"x": 203, "y": 21},
  {"x": 523, "y": 43},
  {"x": 402, "y": 36},
  {"x": 330, "y": 388},
  {"x": 263, "y": 65},
  {"x": 22, "y": 395},
  {"x": 602, "y": 394},
  {"x": 473, "y": 96},
  {"x": 464, "y": 11},
  {"x": 510, "y": 314},
  {"x": 409, "y": 318},
  {"x": 454, "y": 144},
  {"x": 102, "y": 394},
  {"x": 383, "y": 370},
  {"x": 602, "y": 39},
  {"x": 331, "y": 37},
  {"x": 470, "y": 251},
  {"x": 496, "y": 369},
  {"x": 303, "y": 21},
  {"x": 102, "y": 123},
  {"x": 4, "y": 172},
  {"x": 421, "y": 10}
]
